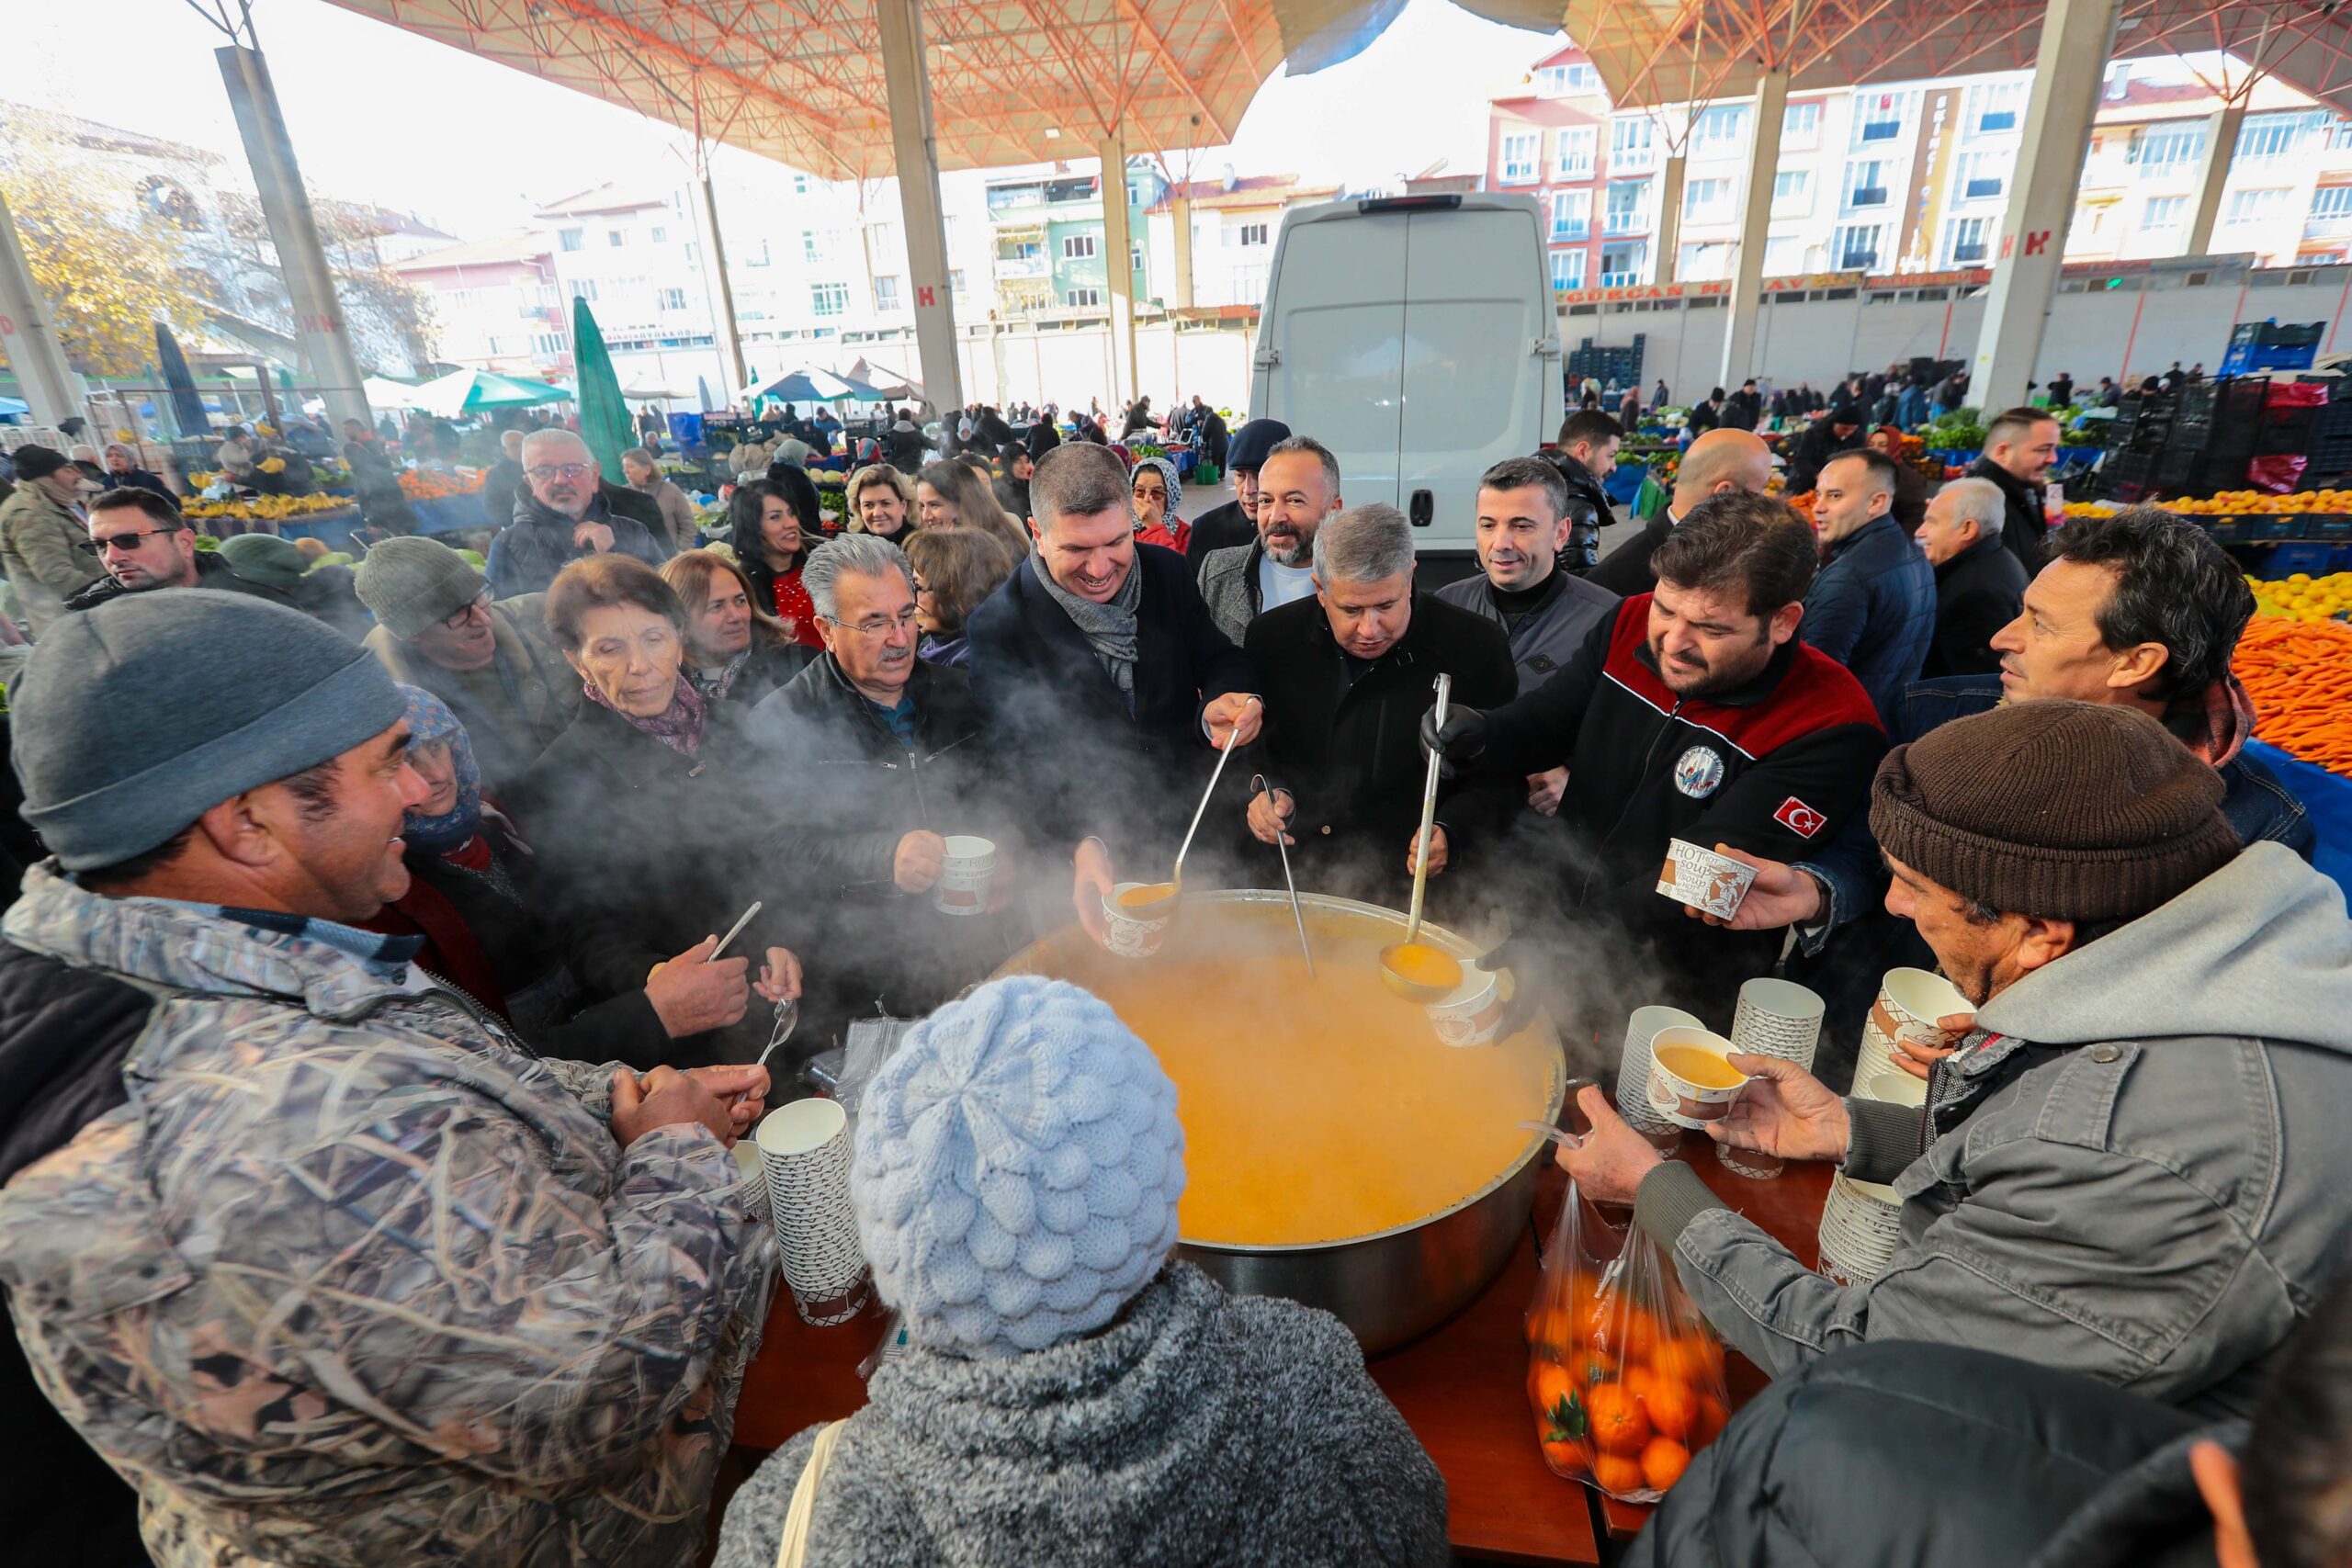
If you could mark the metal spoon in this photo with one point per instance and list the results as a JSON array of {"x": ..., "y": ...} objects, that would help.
[
  {"x": 1258, "y": 785},
  {"x": 1175, "y": 883},
  {"x": 1411, "y": 989}
]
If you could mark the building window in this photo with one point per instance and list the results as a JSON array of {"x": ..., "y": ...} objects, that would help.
[
  {"x": 1784, "y": 255},
  {"x": 674, "y": 298},
  {"x": 584, "y": 289},
  {"x": 1866, "y": 183},
  {"x": 1078, "y": 247},
  {"x": 1631, "y": 145},
  {"x": 1572, "y": 152},
  {"x": 1854, "y": 247},
  {"x": 1996, "y": 107},
  {"x": 2254, "y": 206},
  {"x": 827, "y": 298},
  {"x": 1626, "y": 199},
  {"x": 800, "y": 185},
  {"x": 2159, "y": 150},
  {"x": 2272, "y": 135},
  {"x": 572, "y": 238},
  {"x": 1622, "y": 266},
  {"x": 1081, "y": 298},
  {"x": 1718, "y": 130},
  {"x": 955, "y": 283},
  {"x": 2164, "y": 212},
  {"x": 2339, "y": 135},
  {"x": 1250, "y": 234},
  {"x": 1981, "y": 176},
  {"x": 1793, "y": 193},
  {"x": 1800, "y": 124},
  {"x": 614, "y": 238},
  {"x": 1707, "y": 201},
  {"x": 1567, "y": 266},
  {"x": 659, "y": 236},
  {"x": 1967, "y": 241},
  {"x": 1029, "y": 250},
  {"x": 1134, "y": 255},
  {"x": 2332, "y": 202},
  {"x": 810, "y": 249},
  {"x": 886, "y": 294},
  {"x": 549, "y": 343},
  {"x": 1571, "y": 215},
  {"x": 1566, "y": 80},
  {"x": 1518, "y": 157},
  {"x": 1878, "y": 117}
]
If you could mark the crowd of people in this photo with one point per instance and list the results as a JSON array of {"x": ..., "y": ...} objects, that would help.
[{"x": 374, "y": 1063}]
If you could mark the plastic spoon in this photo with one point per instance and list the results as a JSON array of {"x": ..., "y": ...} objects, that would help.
[{"x": 1392, "y": 958}]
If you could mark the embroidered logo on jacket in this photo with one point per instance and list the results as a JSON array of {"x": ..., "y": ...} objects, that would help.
[
  {"x": 1799, "y": 818},
  {"x": 1698, "y": 770}
]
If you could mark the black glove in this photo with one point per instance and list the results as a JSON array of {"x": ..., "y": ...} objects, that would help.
[
  {"x": 1459, "y": 739},
  {"x": 1517, "y": 951}
]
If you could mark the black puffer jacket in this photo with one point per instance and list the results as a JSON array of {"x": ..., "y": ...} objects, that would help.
[
  {"x": 525, "y": 556},
  {"x": 2029, "y": 1466},
  {"x": 2025, "y": 525}
]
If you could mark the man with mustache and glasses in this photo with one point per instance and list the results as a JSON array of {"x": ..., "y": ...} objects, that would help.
[
  {"x": 1102, "y": 681},
  {"x": 1694, "y": 713},
  {"x": 1298, "y": 487},
  {"x": 566, "y": 511}
]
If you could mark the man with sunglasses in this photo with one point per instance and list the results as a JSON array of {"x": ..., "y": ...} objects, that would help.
[
  {"x": 143, "y": 543},
  {"x": 565, "y": 511}
]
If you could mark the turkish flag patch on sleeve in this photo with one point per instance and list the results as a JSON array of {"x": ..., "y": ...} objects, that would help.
[{"x": 1799, "y": 818}]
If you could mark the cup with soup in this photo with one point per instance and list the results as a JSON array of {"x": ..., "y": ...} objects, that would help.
[{"x": 1692, "y": 1081}]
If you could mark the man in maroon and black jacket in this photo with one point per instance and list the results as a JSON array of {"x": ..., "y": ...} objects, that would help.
[{"x": 1694, "y": 713}]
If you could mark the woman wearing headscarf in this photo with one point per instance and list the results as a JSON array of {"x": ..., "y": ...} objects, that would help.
[
  {"x": 1156, "y": 492},
  {"x": 736, "y": 651},
  {"x": 634, "y": 809},
  {"x": 773, "y": 530}
]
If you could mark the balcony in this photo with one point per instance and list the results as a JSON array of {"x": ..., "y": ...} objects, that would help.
[
  {"x": 1626, "y": 223},
  {"x": 1967, "y": 255},
  {"x": 1868, "y": 196},
  {"x": 2328, "y": 226},
  {"x": 1012, "y": 268},
  {"x": 1619, "y": 279},
  {"x": 1633, "y": 160},
  {"x": 1580, "y": 228}
]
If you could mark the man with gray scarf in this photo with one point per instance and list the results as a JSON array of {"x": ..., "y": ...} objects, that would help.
[{"x": 1102, "y": 680}]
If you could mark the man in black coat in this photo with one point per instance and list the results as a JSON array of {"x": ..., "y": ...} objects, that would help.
[
  {"x": 1348, "y": 675},
  {"x": 1719, "y": 461},
  {"x": 1236, "y": 522},
  {"x": 1586, "y": 456},
  {"x": 566, "y": 511},
  {"x": 1103, "y": 683},
  {"x": 1838, "y": 431},
  {"x": 1980, "y": 587},
  {"x": 873, "y": 760},
  {"x": 2020, "y": 444}
]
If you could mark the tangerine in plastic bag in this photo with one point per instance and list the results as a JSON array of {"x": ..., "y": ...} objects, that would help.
[{"x": 1625, "y": 1378}]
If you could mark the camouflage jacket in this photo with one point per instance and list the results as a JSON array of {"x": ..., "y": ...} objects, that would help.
[{"x": 350, "y": 1280}]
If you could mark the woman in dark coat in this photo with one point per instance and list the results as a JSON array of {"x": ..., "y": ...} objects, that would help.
[
  {"x": 736, "y": 651},
  {"x": 633, "y": 808}
]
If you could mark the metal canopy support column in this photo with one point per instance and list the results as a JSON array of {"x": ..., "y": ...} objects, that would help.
[
  {"x": 1670, "y": 218},
  {"x": 2076, "y": 36},
  {"x": 2221, "y": 146},
  {"x": 310, "y": 287},
  {"x": 1118, "y": 268},
  {"x": 915, "y": 149},
  {"x": 722, "y": 292},
  {"x": 1181, "y": 214},
  {"x": 48, "y": 382},
  {"x": 1755, "y": 220}
]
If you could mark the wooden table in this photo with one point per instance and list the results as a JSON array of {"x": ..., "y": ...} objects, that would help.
[{"x": 1461, "y": 1387}]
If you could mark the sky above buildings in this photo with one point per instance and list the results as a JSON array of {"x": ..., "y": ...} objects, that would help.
[{"x": 380, "y": 115}]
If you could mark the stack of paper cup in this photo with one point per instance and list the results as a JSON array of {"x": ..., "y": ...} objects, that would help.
[
  {"x": 1776, "y": 1018},
  {"x": 1896, "y": 1086},
  {"x": 1908, "y": 1003},
  {"x": 965, "y": 872},
  {"x": 1633, "y": 1066},
  {"x": 804, "y": 1150},
  {"x": 1859, "y": 1225}
]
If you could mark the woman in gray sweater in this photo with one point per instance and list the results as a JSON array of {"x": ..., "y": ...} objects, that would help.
[{"x": 1072, "y": 1395}]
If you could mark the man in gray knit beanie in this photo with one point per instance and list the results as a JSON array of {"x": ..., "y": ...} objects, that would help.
[
  {"x": 1071, "y": 1394},
  {"x": 2133, "y": 1157}
]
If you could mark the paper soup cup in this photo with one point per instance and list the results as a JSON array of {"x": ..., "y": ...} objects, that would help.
[
  {"x": 1131, "y": 935},
  {"x": 1710, "y": 883},
  {"x": 965, "y": 873},
  {"x": 1680, "y": 1099},
  {"x": 1472, "y": 1011}
]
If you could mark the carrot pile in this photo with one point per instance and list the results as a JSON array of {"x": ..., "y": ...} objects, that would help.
[{"x": 2300, "y": 675}]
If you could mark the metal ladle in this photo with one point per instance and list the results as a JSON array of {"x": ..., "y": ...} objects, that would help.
[
  {"x": 1390, "y": 969},
  {"x": 1258, "y": 785},
  {"x": 1175, "y": 883}
]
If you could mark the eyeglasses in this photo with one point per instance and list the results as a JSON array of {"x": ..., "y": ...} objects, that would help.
[
  {"x": 457, "y": 620},
  {"x": 124, "y": 542},
  {"x": 546, "y": 471},
  {"x": 880, "y": 626}
]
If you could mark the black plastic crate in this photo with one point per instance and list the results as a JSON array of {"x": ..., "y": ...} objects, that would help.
[{"x": 2286, "y": 432}]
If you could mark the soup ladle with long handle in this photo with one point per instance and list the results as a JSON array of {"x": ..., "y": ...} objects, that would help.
[
  {"x": 1411, "y": 969},
  {"x": 1258, "y": 785},
  {"x": 1168, "y": 892}
]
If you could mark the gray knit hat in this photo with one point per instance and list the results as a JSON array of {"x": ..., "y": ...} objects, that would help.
[
  {"x": 1017, "y": 1166},
  {"x": 265, "y": 559},
  {"x": 119, "y": 744},
  {"x": 411, "y": 582},
  {"x": 2065, "y": 810}
]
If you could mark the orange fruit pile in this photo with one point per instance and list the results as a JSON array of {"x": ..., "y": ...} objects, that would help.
[{"x": 1619, "y": 1394}]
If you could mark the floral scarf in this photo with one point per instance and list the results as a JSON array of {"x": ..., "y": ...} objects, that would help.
[
  {"x": 429, "y": 719},
  {"x": 678, "y": 727}
]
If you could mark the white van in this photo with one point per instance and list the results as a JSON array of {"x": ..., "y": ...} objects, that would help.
[{"x": 1416, "y": 337}]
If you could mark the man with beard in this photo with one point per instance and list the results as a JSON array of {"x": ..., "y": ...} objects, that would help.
[
  {"x": 1236, "y": 522},
  {"x": 565, "y": 512},
  {"x": 2020, "y": 446},
  {"x": 1298, "y": 486},
  {"x": 1694, "y": 713}
]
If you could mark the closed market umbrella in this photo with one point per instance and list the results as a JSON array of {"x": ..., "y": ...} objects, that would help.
[
  {"x": 603, "y": 417},
  {"x": 188, "y": 408}
]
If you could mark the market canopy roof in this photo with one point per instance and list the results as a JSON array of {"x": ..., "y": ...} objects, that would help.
[
  {"x": 1665, "y": 51},
  {"x": 467, "y": 391},
  {"x": 810, "y": 385}
]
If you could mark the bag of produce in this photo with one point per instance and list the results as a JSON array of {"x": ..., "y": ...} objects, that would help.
[{"x": 1625, "y": 1378}]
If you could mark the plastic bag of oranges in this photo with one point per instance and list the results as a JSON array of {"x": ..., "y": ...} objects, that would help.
[{"x": 1625, "y": 1378}]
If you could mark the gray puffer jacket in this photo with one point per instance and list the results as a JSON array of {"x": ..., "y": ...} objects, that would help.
[
  {"x": 1198, "y": 1429},
  {"x": 2133, "y": 1168}
]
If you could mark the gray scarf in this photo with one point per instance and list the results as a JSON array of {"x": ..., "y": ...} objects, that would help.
[{"x": 1109, "y": 629}]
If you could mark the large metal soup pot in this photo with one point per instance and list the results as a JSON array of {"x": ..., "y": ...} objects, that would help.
[{"x": 1374, "y": 1113}]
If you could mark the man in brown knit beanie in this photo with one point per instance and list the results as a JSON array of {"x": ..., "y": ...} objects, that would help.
[{"x": 2132, "y": 1158}]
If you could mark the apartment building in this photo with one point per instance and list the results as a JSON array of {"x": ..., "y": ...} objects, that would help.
[
  {"x": 1050, "y": 248},
  {"x": 1234, "y": 221}
]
